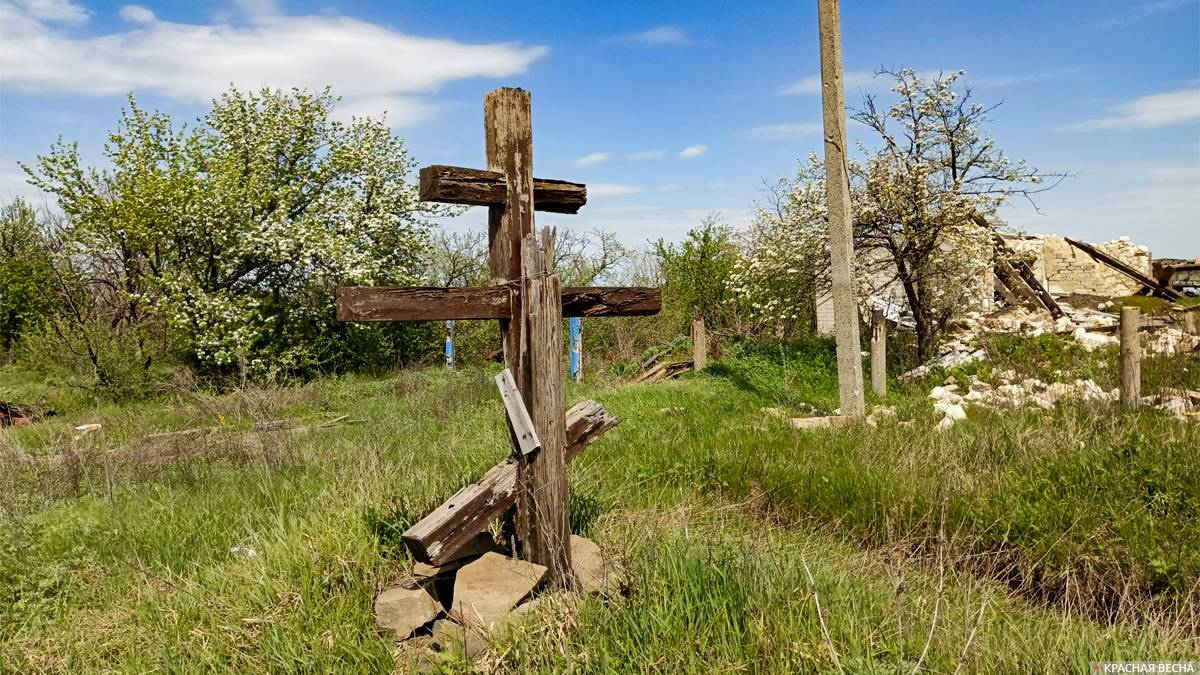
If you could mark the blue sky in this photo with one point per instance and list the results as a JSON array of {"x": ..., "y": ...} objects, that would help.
[{"x": 668, "y": 110}]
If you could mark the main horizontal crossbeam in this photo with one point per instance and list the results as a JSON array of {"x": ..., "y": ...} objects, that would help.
[
  {"x": 476, "y": 187},
  {"x": 407, "y": 303}
]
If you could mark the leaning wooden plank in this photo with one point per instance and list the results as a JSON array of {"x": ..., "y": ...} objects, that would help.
[
  {"x": 437, "y": 536},
  {"x": 1103, "y": 258},
  {"x": 477, "y": 187},
  {"x": 415, "y": 303},
  {"x": 518, "y": 414}
]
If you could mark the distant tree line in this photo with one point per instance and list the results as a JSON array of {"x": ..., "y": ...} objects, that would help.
[{"x": 217, "y": 247}]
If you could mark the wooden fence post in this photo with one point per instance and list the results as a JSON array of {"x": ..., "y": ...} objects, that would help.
[
  {"x": 543, "y": 522},
  {"x": 878, "y": 352},
  {"x": 1131, "y": 356},
  {"x": 699, "y": 342}
]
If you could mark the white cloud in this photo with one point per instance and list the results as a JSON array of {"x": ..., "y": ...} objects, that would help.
[
  {"x": 363, "y": 61},
  {"x": 592, "y": 159},
  {"x": 256, "y": 9},
  {"x": 780, "y": 132},
  {"x": 612, "y": 190},
  {"x": 14, "y": 183},
  {"x": 1148, "y": 112},
  {"x": 811, "y": 85},
  {"x": 57, "y": 11},
  {"x": 400, "y": 111},
  {"x": 647, "y": 154},
  {"x": 1145, "y": 10},
  {"x": 693, "y": 151},
  {"x": 661, "y": 36},
  {"x": 1052, "y": 75},
  {"x": 137, "y": 14}
]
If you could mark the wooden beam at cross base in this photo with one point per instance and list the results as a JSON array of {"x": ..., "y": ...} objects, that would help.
[
  {"x": 1103, "y": 258},
  {"x": 408, "y": 303},
  {"x": 477, "y": 187},
  {"x": 439, "y": 535}
]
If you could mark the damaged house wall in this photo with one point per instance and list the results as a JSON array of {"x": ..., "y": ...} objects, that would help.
[
  {"x": 1061, "y": 268},
  {"x": 1064, "y": 269}
]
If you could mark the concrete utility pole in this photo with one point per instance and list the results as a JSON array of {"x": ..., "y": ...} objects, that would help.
[{"x": 841, "y": 232}]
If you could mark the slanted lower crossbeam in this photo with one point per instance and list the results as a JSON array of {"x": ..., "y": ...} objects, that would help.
[{"x": 438, "y": 536}]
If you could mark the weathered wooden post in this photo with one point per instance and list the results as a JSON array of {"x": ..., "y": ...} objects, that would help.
[
  {"x": 1131, "y": 356},
  {"x": 878, "y": 352},
  {"x": 699, "y": 342},
  {"x": 575, "y": 327},
  {"x": 841, "y": 234},
  {"x": 543, "y": 524}
]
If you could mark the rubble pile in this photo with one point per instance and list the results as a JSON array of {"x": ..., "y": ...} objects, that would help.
[
  {"x": 1091, "y": 328},
  {"x": 950, "y": 401}
]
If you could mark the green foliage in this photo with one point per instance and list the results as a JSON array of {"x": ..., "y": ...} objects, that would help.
[
  {"x": 1066, "y": 533},
  {"x": 1148, "y": 304},
  {"x": 800, "y": 373},
  {"x": 232, "y": 234},
  {"x": 696, "y": 272},
  {"x": 26, "y": 273}
]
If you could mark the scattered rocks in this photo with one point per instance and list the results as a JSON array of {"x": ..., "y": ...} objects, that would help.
[
  {"x": 400, "y": 611},
  {"x": 483, "y": 592}
]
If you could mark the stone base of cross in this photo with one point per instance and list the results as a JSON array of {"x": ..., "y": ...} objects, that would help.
[{"x": 526, "y": 298}]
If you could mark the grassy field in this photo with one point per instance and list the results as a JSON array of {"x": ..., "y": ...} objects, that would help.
[{"x": 1019, "y": 541}]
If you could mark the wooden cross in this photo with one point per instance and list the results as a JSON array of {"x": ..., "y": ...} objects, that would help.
[{"x": 526, "y": 299}]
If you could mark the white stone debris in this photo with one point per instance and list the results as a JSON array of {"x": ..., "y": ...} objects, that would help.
[
  {"x": 1093, "y": 341},
  {"x": 1091, "y": 328}
]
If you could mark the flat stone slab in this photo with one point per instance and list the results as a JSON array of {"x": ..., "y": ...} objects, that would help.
[
  {"x": 594, "y": 571},
  {"x": 400, "y": 611},
  {"x": 489, "y": 588}
]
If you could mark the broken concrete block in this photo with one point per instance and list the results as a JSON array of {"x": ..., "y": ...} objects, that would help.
[
  {"x": 400, "y": 611},
  {"x": 488, "y": 588},
  {"x": 832, "y": 422}
]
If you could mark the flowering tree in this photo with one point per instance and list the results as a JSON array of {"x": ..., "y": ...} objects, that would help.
[
  {"x": 234, "y": 232},
  {"x": 913, "y": 199},
  {"x": 936, "y": 168},
  {"x": 785, "y": 253}
]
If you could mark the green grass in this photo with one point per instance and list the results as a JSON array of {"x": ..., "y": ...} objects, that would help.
[{"x": 715, "y": 507}]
